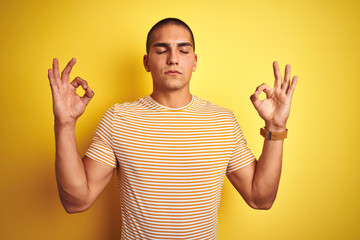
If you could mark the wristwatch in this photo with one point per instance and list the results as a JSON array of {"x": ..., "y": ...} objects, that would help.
[{"x": 273, "y": 135}]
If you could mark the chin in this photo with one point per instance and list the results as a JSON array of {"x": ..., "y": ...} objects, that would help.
[{"x": 174, "y": 85}]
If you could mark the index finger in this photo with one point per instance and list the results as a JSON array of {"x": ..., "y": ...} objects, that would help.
[
  {"x": 65, "y": 74},
  {"x": 277, "y": 75}
]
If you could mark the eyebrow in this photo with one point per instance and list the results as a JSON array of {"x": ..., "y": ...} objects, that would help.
[{"x": 163, "y": 44}]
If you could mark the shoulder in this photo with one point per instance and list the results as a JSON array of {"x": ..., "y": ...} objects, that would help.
[
  {"x": 208, "y": 106},
  {"x": 133, "y": 106}
]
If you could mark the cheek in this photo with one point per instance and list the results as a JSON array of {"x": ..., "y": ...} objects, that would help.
[
  {"x": 156, "y": 64},
  {"x": 191, "y": 65}
]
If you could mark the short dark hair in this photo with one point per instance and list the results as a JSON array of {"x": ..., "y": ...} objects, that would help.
[{"x": 167, "y": 21}]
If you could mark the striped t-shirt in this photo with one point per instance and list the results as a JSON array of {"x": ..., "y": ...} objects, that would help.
[{"x": 170, "y": 164}]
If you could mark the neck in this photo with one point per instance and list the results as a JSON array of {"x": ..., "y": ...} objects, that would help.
[{"x": 172, "y": 99}]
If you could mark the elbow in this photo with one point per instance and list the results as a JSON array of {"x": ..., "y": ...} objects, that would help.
[
  {"x": 71, "y": 210},
  {"x": 262, "y": 204},
  {"x": 262, "y": 200},
  {"x": 75, "y": 205},
  {"x": 78, "y": 208}
]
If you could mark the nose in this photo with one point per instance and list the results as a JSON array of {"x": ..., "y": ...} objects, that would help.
[{"x": 173, "y": 58}]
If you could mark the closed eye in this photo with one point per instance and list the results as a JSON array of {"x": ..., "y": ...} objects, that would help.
[{"x": 184, "y": 49}]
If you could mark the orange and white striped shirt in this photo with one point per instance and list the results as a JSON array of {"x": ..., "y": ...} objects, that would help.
[{"x": 171, "y": 165}]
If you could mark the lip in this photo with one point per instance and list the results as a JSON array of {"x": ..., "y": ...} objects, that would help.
[{"x": 172, "y": 72}]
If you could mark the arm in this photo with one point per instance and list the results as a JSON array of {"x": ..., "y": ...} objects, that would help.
[
  {"x": 258, "y": 182},
  {"x": 80, "y": 181}
]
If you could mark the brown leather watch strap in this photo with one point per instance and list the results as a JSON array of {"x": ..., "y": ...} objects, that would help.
[{"x": 273, "y": 135}]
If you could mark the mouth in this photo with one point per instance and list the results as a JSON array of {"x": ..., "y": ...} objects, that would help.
[{"x": 172, "y": 72}]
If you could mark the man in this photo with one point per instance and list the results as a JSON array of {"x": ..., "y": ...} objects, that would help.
[{"x": 171, "y": 149}]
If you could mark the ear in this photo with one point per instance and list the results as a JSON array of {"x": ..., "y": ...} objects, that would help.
[
  {"x": 195, "y": 63},
  {"x": 146, "y": 63}
]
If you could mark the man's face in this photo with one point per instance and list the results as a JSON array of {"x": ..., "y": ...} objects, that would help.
[{"x": 171, "y": 59}]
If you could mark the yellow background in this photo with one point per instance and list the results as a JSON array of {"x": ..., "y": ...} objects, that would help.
[{"x": 236, "y": 43}]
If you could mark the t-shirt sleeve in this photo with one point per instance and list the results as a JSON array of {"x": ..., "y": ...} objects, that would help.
[
  {"x": 241, "y": 155},
  {"x": 101, "y": 148}
]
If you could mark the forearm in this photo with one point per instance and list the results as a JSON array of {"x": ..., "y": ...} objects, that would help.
[
  {"x": 70, "y": 171},
  {"x": 261, "y": 180},
  {"x": 267, "y": 173}
]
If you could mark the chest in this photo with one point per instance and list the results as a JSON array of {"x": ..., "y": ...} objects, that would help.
[{"x": 173, "y": 150}]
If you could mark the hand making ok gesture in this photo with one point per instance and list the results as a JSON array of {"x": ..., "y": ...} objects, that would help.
[
  {"x": 275, "y": 108},
  {"x": 67, "y": 105}
]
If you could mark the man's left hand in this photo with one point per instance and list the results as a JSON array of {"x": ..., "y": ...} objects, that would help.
[{"x": 275, "y": 108}]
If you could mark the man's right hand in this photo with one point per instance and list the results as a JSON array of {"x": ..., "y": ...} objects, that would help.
[{"x": 67, "y": 105}]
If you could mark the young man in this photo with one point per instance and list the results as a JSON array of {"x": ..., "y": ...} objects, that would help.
[{"x": 171, "y": 150}]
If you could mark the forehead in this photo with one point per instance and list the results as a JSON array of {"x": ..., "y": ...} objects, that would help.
[{"x": 171, "y": 33}]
